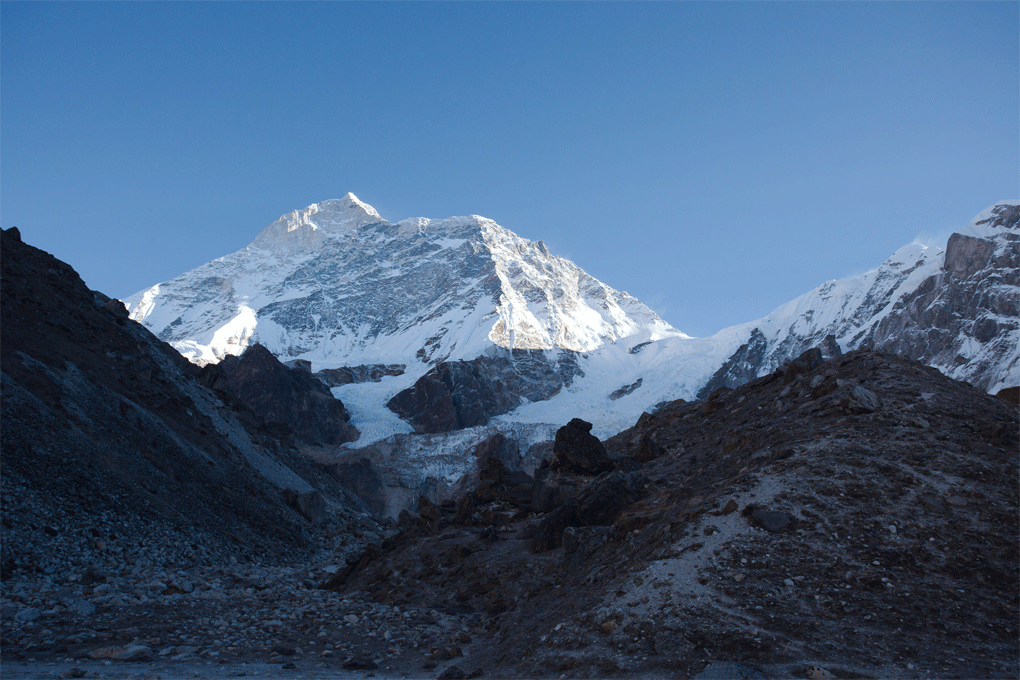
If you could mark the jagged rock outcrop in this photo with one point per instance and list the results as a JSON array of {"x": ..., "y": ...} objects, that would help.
[
  {"x": 288, "y": 397},
  {"x": 346, "y": 375},
  {"x": 956, "y": 309},
  {"x": 965, "y": 318},
  {"x": 458, "y": 394},
  {"x": 579, "y": 451}
]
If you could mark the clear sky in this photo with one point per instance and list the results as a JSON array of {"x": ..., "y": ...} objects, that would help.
[{"x": 713, "y": 159}]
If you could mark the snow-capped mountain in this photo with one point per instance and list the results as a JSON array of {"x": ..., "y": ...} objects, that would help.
[
  {"x": 338, "y": 285},
  {"x": 476, "y": 325},
  {"x": 956, "y": 308}
]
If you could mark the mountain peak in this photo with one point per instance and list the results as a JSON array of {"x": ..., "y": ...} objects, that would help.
[{"x": 306, "y": 229}]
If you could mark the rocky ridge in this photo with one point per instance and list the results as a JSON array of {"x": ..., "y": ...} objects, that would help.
[
  {"x": 113, "y": 450},
  {"x": 855, "y": 517},
  {"x": 954, "y": 308}
]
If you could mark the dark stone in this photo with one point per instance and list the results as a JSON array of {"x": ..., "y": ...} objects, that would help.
[
  {"x": 360, "y": 663},
  {"x": 117, "y": 308},
  {"x": 361, "y": 477},
  {"x": 1010, "y": 394},
  {"x": 580, "y": 543},
  {"x": 577, "y": 450},
  {"x": 966, "y": 255},
  {"x": 625, "y": 390},
  {"x": 741, "y": 367},
  {"x": 551, "y": 489},
  {"x": 312, "y": 506},
  {"x": 13, "y": 233},
  {"x": 289, "y": 397},
  {"x": 830, "y": 348},
  {"x": 860, "y": 400},
  {"x": 452, "y": 673},
  {"x": 500, "y": 448},
  {"x": 346, "y": 375},
  {"x": 770, "y": 520}
]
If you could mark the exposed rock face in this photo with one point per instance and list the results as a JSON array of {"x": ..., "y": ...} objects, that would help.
[
  {"x": 460, "y": 394},
  {"x": 965, "y": 319},
  {"x": 346, "y": 375},
  {"x": 625, "y": 390},
  {"x": 289, "y": 397},
  {"x": 743, "y": 366},
  {"x": 111, "y": 446},
  {"x": 957, "y": 310}
]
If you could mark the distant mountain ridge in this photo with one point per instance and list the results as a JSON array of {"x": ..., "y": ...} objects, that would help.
[
  {"x": 955, "y": 308},
  {"x": 453, "y": 302}
]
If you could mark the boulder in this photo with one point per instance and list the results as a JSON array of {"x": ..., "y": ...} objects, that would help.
[
  {"x": 577, "y": 450},
  {"x": 860, "y": 400}
]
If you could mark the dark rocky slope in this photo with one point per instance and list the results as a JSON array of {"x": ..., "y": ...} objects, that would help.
[
  {"x": 856, "y": 517},
  {"x": 112, "y": 449}
]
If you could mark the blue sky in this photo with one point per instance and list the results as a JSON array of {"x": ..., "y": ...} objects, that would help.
[{"x": 713, "y": 159}]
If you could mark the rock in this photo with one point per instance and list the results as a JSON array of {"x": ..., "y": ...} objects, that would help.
[
  {"x": 130, "y": 652},
  {"x": 819, "y": 673},
  {"x": 647, "y": 450},
  {"x": 345, "y": 375},
  {"x": 730, "y": 507},
  {"x": 966, "y": 255},
  {"x": 770, "y": 520},
  {"x": 625, "y": 390},
  {"x": 598, "y": 504},
  {"x": 82, "y": 608},
  {"x": 605, "y": 498},
  {"x": 551, "y": 489},
  {"x": 26, "y": 615},
  {"x": 579, "y": 543},
  {"x": 289, "y": 397},
  {"x": 73, "y": 673},
  {"x": 117, "y": 308},
  {"x": 312, "y": 506},
  {"x": 360, "y": 663},
  {"x": 92, "y": 575},
  {"x": 1010, "y": 394},
  {"x": 860, "y": 400},
  {"x": 458, "y": 394},
  {"x": 577, "y": 450},
  {"x": 452, "y": 673}
]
